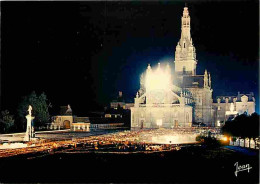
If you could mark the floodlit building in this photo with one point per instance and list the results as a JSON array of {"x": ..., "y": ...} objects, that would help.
[
  {"x": 167, "y": 100},
  {"x": 227, "y": 107},
  {"x": 159, "y": 103},
  {"x": 68, "y": 121},
  {"x": 64, "y": 120}
]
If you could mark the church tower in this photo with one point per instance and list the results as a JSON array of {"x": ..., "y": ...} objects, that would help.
[{"x": 185, "y": 55}]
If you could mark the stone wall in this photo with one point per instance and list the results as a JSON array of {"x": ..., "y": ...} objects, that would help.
[{"x": 166, "y": 117}]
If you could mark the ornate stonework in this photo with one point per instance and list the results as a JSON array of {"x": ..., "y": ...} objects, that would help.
[
  {"x": 168, "y": 101},
  {"x": 185, "y": 54}
]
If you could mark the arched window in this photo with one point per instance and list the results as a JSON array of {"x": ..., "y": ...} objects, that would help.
[
  {"x": 187, "y": 117},
  {"x": 184, "y": 45}
]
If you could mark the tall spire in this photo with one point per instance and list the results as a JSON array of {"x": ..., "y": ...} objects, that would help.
[
  {"x": 185, "y": 24},
  {"x": 149, "y": 67},
  {"x": 185, "y": 55},
  {"x": 206, "y": 84},
  {"x": 209, "y": 81}
]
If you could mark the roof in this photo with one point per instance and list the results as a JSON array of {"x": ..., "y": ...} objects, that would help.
[
  {"x": 81, "y": 119},
  {"x": 193, "y": 81},
  {"x": 231, "y": 97}
]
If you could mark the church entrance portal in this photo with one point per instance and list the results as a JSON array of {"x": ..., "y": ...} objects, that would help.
[
  {"x": 66, "y": 124},
  {"x": 142, "y": 124},
  {"x": 176, "y": 123}
]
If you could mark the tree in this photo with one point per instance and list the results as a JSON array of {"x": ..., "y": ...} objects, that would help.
[
  {"x": 6, "y": 122},
  {"x": 208, "y": 141},
  {"x": 40, "y": 110},
  {"x": 243, "y": 126}
]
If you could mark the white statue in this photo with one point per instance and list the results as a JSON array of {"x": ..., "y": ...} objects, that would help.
[
  {"x": 30, "y": 110},
  {"x": 29, "y": 128}
]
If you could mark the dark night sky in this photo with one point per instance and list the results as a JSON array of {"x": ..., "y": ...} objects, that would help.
[{"x": 83, "y": 53}]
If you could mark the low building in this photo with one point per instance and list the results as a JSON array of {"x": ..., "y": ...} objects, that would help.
[
  {"x": 80, "y": 127},
  {"x": 120, "y": 102},
  {"x": 61, "y": 122},
  {"x": 112, "y": 119},
  {"x": 227, "y": 107},
  {"x": 67, "y": 121},
  {"x": 81, "y": 124}
]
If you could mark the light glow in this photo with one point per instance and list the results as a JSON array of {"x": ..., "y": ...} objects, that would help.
[
  {"x": 160, "y": 79},
  {"x": 159, "y": 122},
  {"x": 218, "y": 123},
  {"x": 174, "y": 139},
  {"x": 225, "y": 138}
]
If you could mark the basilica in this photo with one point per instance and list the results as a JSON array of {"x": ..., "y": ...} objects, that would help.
[{"x": 179, "y": 98}]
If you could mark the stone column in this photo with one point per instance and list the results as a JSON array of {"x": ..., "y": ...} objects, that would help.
[{"x": 29, "y": 129}]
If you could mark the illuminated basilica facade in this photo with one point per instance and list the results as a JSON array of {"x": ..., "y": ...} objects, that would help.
[{"x": 167, "y": 100}]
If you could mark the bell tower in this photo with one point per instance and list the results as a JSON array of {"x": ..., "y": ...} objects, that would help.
[{"x": 185, "y": 55}]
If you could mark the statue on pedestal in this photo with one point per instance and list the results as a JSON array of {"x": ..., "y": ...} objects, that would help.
[
  {"x": 29, "y": 128},
  {"x": 30, "y": 110}
]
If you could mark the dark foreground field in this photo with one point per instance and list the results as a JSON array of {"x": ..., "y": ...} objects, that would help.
[{"x": 189, "y": 165}]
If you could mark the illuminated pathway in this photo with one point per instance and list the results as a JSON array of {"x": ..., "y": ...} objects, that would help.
[{"x": 154, "y": 140}]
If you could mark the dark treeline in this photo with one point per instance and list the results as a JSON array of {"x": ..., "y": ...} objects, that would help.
[{"x": 243, "y": 126}]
